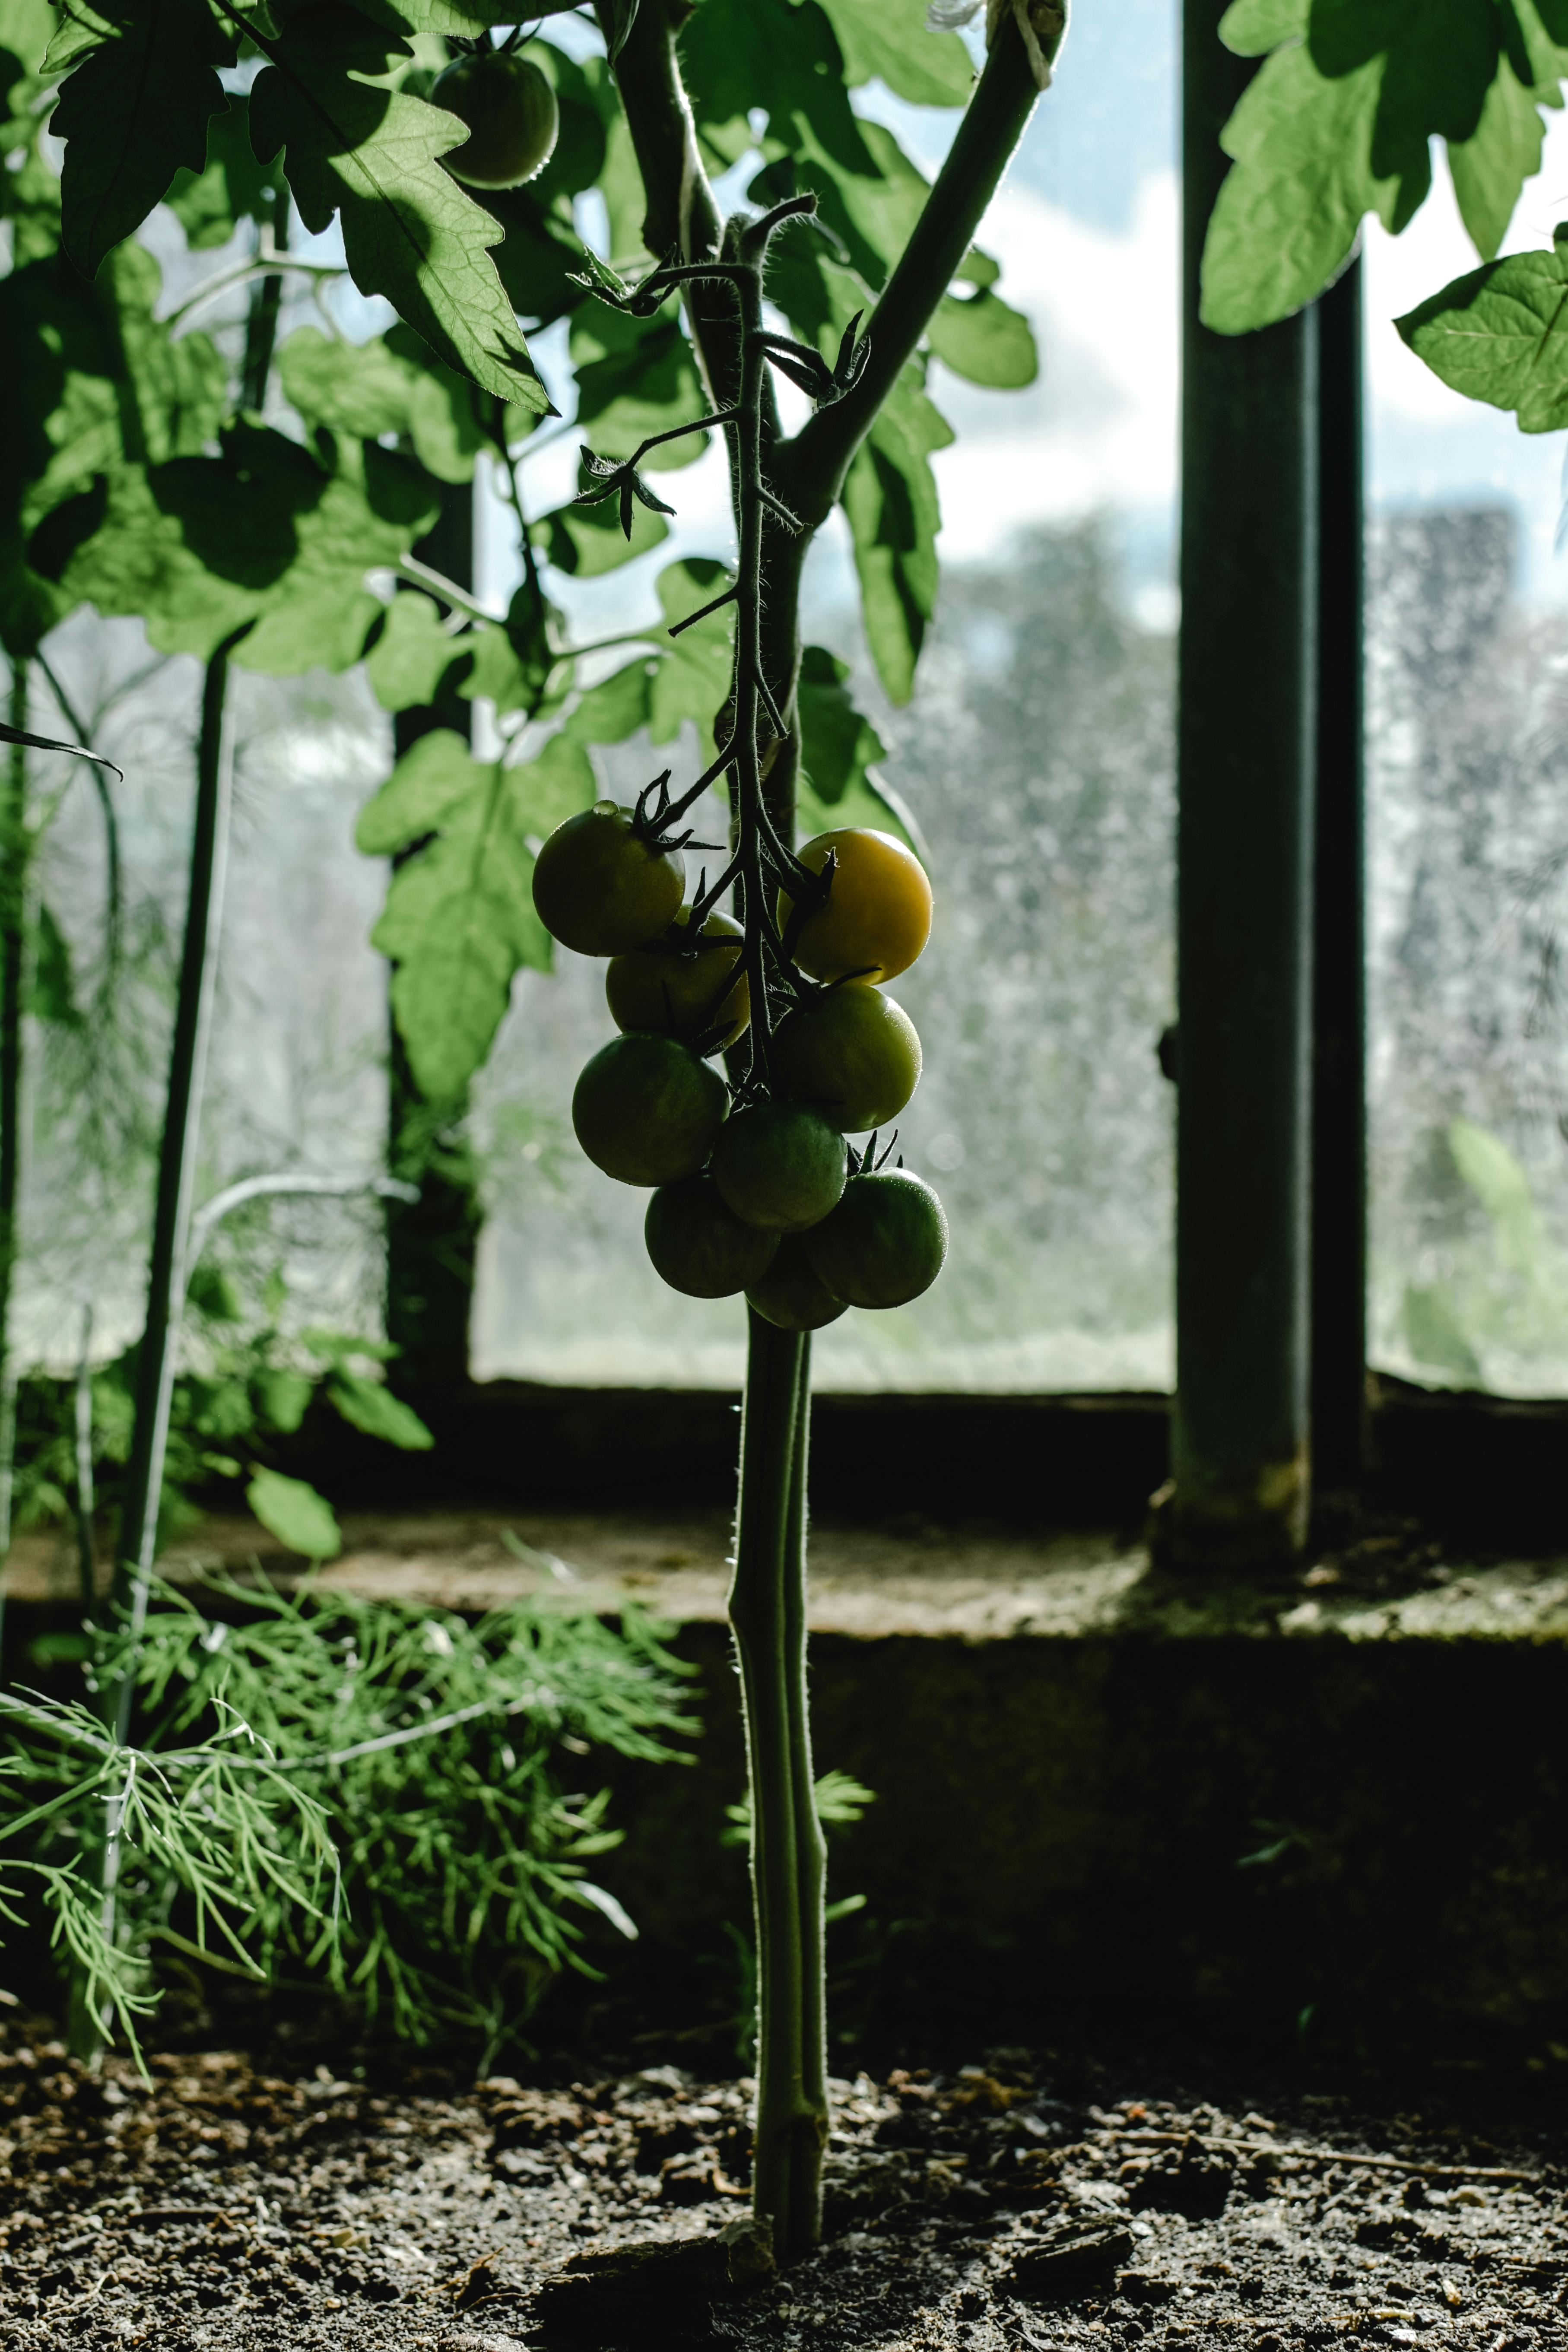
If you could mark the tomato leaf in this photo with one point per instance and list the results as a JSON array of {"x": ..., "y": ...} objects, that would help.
[
  {"x": 412, "y": 661},
  {"x": 134, "y": 109},
  {"x": 984, "y": 339},
  {"x": 615, "y": 708},
  {"x": 1338, "y": 122},
  {"x": 1490, "y": 168},
  {"x": 104, "y": 385},
  {"x": 265, "y": 533},
  {"x": 889, "y": 501},
  {"x": 838, "y": 742},
  {"x": 512, "y": 659},
  {"x": 370, "y": 1405},
  {"x": 232, "y": 186},
  {"x": 292, "y": 1511},
  {"x": 370, "y": 155},
  {"x": 839, "y": 747},
  {"x": 890, "y": 40},
  {"x": 635, "y": 376},
  {"x": 391, "y": 384},
  {"x": 460, "y": 922},
  {"x": 739, "y": 54},
  {"x": 1501, "y": 335}
]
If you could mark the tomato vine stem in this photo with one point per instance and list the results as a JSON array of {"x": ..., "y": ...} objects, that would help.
[{"x": 782, "y": 490}]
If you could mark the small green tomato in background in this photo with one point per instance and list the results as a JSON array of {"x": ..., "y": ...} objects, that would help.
[
  {"x": 700, "y": 1246},
  {"x": 791, "y": 1293},
  {"x": 646, "y": 1110},
  {"x": 701, "y": 994},
  {"x": 600, "y": 888},
  {"x": 885, "y": 1242},
  {"x": 780, "y": 1166},
  {"x": 853, "y": 1055},
  {"x": 511, "y": 116}
]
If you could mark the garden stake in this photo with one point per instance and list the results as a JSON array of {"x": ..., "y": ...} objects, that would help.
[
  {"x": 176, "y": 1171},
  {"x": 87, "y": 1558},
  {"x": 13, "y": 975}
]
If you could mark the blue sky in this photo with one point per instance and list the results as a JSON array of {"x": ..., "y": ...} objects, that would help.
[{"x": 1085, "y": 227}]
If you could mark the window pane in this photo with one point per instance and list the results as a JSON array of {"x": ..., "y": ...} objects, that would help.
[{"x": 1467, "y": 843}]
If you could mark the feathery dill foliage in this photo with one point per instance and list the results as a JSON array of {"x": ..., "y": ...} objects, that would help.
[{"x": 359, "y": 1794}]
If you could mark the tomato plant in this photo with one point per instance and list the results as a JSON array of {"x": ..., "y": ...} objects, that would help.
[{"x": 247, "y": 545}]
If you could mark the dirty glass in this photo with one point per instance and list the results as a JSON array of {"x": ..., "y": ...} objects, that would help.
[{"x": 1467, "y": 822}]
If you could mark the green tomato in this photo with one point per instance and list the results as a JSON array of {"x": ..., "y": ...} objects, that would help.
[
  {"x": 511, "y": 116},
  {"x": 700, "y": 1246},
  {"x": 780, "y": 1166},
  {"x": 699, "y": 995},
  {"x": 646, "y": 1110},
  {"x": 600, "y": 888},
  {"x": 853, "y": 1055},
  {"x": 791, "y": 1293},
  {"x": 885, "y": 1242}
]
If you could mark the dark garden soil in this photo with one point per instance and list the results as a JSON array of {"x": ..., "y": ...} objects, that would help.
[{"x": 1006, "y": 2205}]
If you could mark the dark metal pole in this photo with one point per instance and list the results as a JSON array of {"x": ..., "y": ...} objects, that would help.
[
  {"x": 431, "y": 1242},
  {"x": 1339, "y": 1065},
  {"x": 1240, "y": 1442}
]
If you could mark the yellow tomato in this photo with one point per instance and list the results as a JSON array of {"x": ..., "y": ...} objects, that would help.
[{"x": 877, "y": 915}]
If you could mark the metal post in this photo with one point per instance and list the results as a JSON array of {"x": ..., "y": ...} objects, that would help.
[
  {"x": 430, "y": 1242},
  {"x": 1239, "y": 1444},
  {"x": 1339, "y": 985}
]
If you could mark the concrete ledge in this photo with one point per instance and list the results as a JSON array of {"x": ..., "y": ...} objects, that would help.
[
  {"x": 965, "y": 1583},
  {"x": 1341, "y": 1797}
]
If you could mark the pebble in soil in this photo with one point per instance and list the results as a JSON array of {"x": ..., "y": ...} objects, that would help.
[{"x": 221, "y": 2206}]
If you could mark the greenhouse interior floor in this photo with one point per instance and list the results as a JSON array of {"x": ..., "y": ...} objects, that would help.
[{"x": 1293, "y": 1851}]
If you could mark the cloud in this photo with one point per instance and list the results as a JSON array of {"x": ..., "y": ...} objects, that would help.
[{"x": 1099, "y": 426}]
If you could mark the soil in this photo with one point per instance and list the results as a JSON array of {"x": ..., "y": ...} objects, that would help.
[{"x": 999, "y": 2206}]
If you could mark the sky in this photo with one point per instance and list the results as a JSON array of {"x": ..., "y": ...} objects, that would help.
[{"x": 1085, "y": 227}]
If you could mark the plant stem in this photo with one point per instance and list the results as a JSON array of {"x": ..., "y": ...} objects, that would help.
[
  {"x": 261, "y": 327},
  {"x": 767, "y": 1600},
  {"x": 176, "y": 1169},
  {"x": 811, "y": 1844},
  {"x": 114, "y": 888},
  {"x": 14, "y": 849},
  {"x": 87, "y": 1555},
  {"x": 769, "y": 1629},
  {"x": 812, "y": 466}
]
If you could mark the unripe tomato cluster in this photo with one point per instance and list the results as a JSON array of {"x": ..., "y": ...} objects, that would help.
[{"x": 766, "y": 1198}]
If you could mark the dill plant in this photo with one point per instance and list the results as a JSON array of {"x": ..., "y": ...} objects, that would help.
[{"x": 363, "y": 1796}]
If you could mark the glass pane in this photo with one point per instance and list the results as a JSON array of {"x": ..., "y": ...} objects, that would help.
[
  {"x": 296, "y": 1068},
  {"x": 1469, "y": 850},
  {"x": 1036, "y": 762}
]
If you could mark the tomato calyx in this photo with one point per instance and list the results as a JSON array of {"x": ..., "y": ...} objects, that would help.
[
  {"x": 485, "y": 44},
  {"x": 651, "y": 816},
  {"x": 865, "y": 1162}
]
